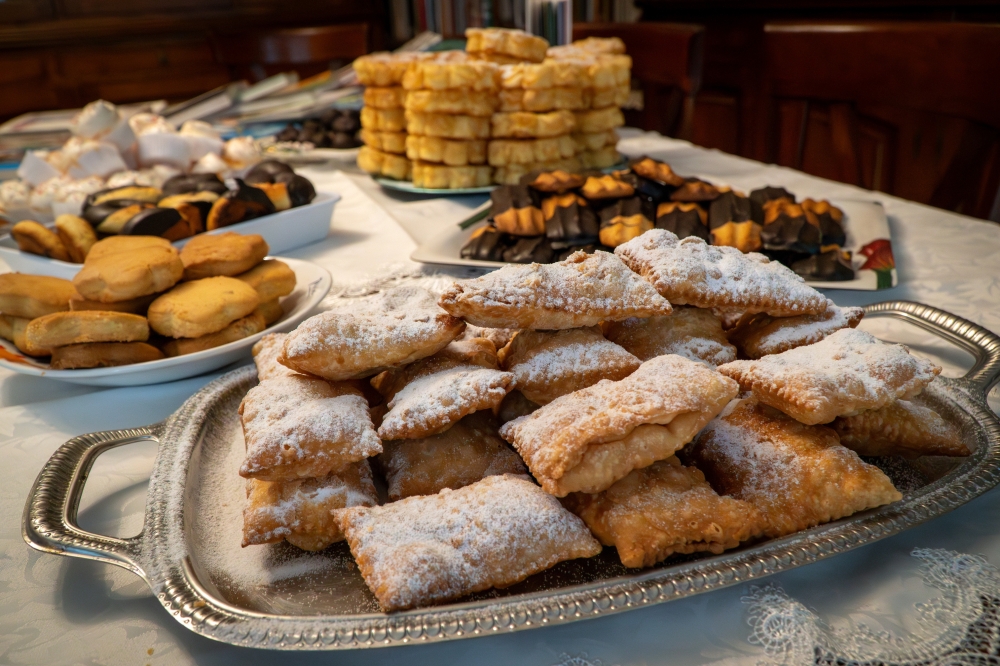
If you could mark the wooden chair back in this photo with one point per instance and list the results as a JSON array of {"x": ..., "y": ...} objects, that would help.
[
  {"x": 666, "y": 66},
  {"x": 912, "y": 109},
  {"x": 307, "y": 50}
]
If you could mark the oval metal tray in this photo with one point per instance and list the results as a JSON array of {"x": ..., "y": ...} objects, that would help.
[{"x": 334, "y": 610}]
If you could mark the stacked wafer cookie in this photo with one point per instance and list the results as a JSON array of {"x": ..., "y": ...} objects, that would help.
[
  {"x": 449, "y": 99},
  {"x": 383, "y": 126},
  {"x": 605, "y": 88}
]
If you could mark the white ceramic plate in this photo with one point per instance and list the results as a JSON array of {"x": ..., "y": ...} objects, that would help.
[
  {"x": 865, "y": 223},
  {"x": 312, "y": 284},
  {"x": 283, "y": 231}
]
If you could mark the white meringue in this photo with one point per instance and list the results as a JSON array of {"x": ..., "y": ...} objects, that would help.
[
  {"x": 121, "y": 136},
  {"x": 69, "y": 196},
  {"x": 35, "y": 168},
  {"x": 163, "y": 148},
  {"x": 241, "y": 152},
  {"x": 97, "y": 159},
  {"x": 212, "y": 163},
  {"x": 95, "y": 119},
  {"x": 42, "y": 196},
  {"x": 201, "y": 138},
  {"x": 150, "y": 123}
]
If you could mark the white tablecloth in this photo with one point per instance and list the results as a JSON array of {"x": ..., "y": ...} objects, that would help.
[{"x": 57, "y": 610}]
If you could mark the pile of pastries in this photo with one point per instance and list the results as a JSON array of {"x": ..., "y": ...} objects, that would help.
[
  {"x": 138, "y": 299},
  {"x": 670, "y": 397},
  {"x": 184, "y": 206},
  {"x": 505, "y": 106},
  {"x": 548, "y": 215},
  {"x": 113, "y": 147}
]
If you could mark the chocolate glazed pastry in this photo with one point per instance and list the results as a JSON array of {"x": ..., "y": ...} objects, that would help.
[
  {"x": 244, "y": 203},
  {"x": 833, "y": 265},
  {"x": 830, "y": 220},
  {"x": 529, "y": 250},
  {"x": 730, "y": 223},
  {"x": 299, "y": 188},
  {"x": 683, "y": 219},
  {"x": 155, "y": 222},
  {"x": 624, "y": 220},
  {"x": 696, "y": 190},
  {"x": 487, "y": 244},
  {"x": 194, "y": 182},
  {"x": 97, "y": 207},
  {"x": 266, "y": 171},
  {"x": 791, "y": 227},
  {"x": 573, "y": 223},
  {"x": 760, "y": 197},
  {"x": 651, "y": 169},
  {"x": 515, "y": 210}
]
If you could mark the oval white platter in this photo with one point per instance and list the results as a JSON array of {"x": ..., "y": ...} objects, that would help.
[{"x": 312, "y": 285}]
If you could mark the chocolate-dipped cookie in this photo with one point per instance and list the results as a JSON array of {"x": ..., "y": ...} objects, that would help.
[
  {"x": 789, "y": 226},
  {"x": 194, "y": 182},
  {"x": 556, "y": 182},
  {"x": 244, "y": 203},
  {"x": 761, "y": 196},
  {"x": 265, "y": 172},
  {"x": 515, "y": 210},
  {"x": 156, "y": 222},
  {"x": 568, "y": 218},
  {"x": 487, "y": 244},
  {"x": 684, "y": 219},
  {"x": 694, "y": 189},
  {"x": 651, "y": 169},
  {"x": 830, "y": 220},
  {"x": 624, "y": 220},
  {"x": 299, "y": 188},
  {"x": 730, "y": 222},
  {"x": 529, "y": 251},
  {"x": 834, "y": 265}
]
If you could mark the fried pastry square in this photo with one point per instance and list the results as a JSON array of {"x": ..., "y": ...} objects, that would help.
[
  {"x": 690, "y": 272},
  {"x": 467, "y": 352},
  {"x": 612, "y": 96},
  {"x": 663, "y": 509},
  {"x": 433, "y": 402},
  {"x": 396, "y": 327},
  {"x": 587, "y": 440},
  {"x": 847, "y": 372},
  {"x": 582, "y": 290},
  {"x": 502, "y": 152},
  {"x": 549, "y": 364},
  {"x": 689, "y": 332},
  {"x": 796, "y": 475},
  {"x": 265, "y": 356},
  {"x": 297, "y": 427},
  {"x": 524, "y": 125},
  {"x": 452, "y": 152},
  {"x": 433, "y": 548},
  {"x": 468, "y": 451},
  {"x": 498, "y": 336},
  {"x": 438, "y": 176},
  {"x": 301, "y": 511},
  {"x": 908, "y": 428},
  {"x": 758, "y": 335}
]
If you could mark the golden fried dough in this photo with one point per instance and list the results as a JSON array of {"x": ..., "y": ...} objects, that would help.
[
  {"x": 447, "y": 126},
  {"x": 265, "y": 355},
  {"x": 529, "y": 151},
  {"x": 438, "y": 176},
  {"x": 908, "y": 428},
  {"x": 689, "y": 332},
  {"x": 504, "y": 41},
  {"x": 760, "y": 334},
  {"x": 382, "y": 69},
  {"x": 546, "y": 99},
  {"x": 468, "y": 103},
  {"x": 524, "y": 125},
  {"x": 387, "y": 142},
  {"x": 390, "y": 97},
  {"x": 451, "y": 70},
  {"x": 383, "y": 120},
  {"x": 600, "y": 120},
  {"x": 378, "y": 163}
]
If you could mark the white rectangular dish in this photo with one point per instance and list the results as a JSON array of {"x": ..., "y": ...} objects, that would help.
[
  {"x": 283, "y": 231},
  {"x": 866, "y": 225}
]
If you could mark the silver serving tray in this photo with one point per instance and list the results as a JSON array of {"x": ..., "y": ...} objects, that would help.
[{"x": 330, "y": 607}]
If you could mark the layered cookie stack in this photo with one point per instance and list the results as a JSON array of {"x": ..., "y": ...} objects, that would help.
[
  {"x": 382, "y": 118},
  {"x": 449, "y": 100},
  {"x": 605, "y": 88}
]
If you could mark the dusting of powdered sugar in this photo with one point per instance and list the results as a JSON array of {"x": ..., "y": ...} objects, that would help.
[
  {"x": 265, "y": 357},
  {"x": 772, "y": 336},
  {"x": 690, "y": 271}
]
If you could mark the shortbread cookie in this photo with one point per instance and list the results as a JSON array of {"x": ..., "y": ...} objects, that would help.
[
  {"x": 271, "y": 311},
  {"x": 468, "y": 103},
  {"x": 387, "y": 142},
  {"x": 550, "y": 364},
  {"x": 31, "y": 296},
  {"x": 301, "y": 511},
  {"x": 690, "y": 272},
  {"x": 432, "y": 548},
  {"x": 582, "y": 290},
  {"x": 908, "y": 428},
  {"x": 114, "y": 244},
  {"x": 13, "y": 329},
  {"x": 587, "y": 440},
  {"x": 600, "y": 120},
  {"x": 845, "y": 373},
  {"x": 265, "y": 356},
  {"x": 390, "y": 97},
  {"x": 383, "y": 120},
  {"x": 77, "y": 236},
  {"x": 208, "y": 255},
  {"x": 663, "y": 509},
  {"x": 528, "y": 151},
  {"x": 102, "y": 355},
  {"x": 448, "y": 126},
  {"x": 504, "y": 41},
  {"x": 452, "y": 152},
  {"x": 384, "y": 69},
  {"x": 137, "y": 306},
  {"x": 194, "y": 309},
  {"x": 124, "y": 275},
  {"x": 452, "y": 70},
  {"x": 689, "y": 332},
  {"x": 523, "y": 125},
  {"x": 69, "y": 328},
  {"x": 394, "y": 328},
  {"x": 468, "y": 451},
  {"x": 796, "y": 475},
  {"x": 271, "y": 279},
  {"x": 378, "y": 163},
  {"x": 35, "y": 238},
  {"x": 297, "y": 427},
  {"x": 546, "y": 99},
  {"x": 241, "y": 328},
  {"x": 432, "y": 403},
  {"x": 760, "y": 334},
  {"x": 438, "y": 176}
]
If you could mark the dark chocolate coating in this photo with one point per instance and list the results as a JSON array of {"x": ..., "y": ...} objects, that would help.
[
  {"x": 265, "y": 172},
  {"x": 574, "y": 223},
  {"x": 729, "y": 207},
  {"x": 95, "y": 214},
  {"x": 653, "y": 190},
  {"x": 527, "y": 250},
  {"x": 290, "y": 133},
  {"x": 791, "y": 233},
  {"x": 151, "y": 222},
  {"x": 684, "y": 223},
  {"x": 194, "y": 182},
  {"x": 300, "y": 188},
  {"x": 827, "y": 265},
  {"x": 487, "y": 246},
  {"x": 505, "y": 197},
  {"x": 833, "y": 232},
  {"x": 760, "y": 197},
  {"x": 626, "y": 207}
]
